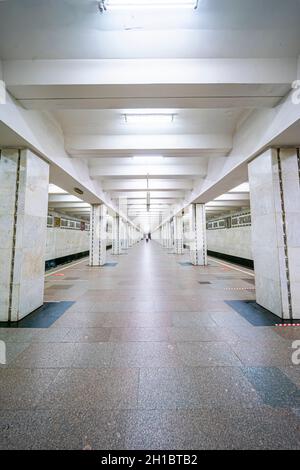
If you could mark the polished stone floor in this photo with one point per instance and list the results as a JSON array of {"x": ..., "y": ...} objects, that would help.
[{"x": 150, "y": 353}]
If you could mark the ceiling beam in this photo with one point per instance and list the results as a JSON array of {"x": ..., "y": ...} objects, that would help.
[
  {"x": 137, "y": 83},
  {"x": 153, "y": 194},
  {"x": 141, "y": 185},
  {"x": 67, "y": 205},
  {"x": 63, "y": 198},
  {"x": 234, "y": 197},
  {"x": 127, "y": 145},
  {"x": 227, "y": 203},
  {"x": 162, "y": 171},
  {"x": 155, "y": 201}
]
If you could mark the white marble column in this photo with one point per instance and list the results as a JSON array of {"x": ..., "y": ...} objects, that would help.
[
  {"x": 159, "y": 236},
  {"x": 172, "y": 235},
  {"x": 24, "y": 182},
  {"x": 116, "y": 235},
  {"x": 129, "y": 231},
  {"x": 126, "y": 236},
  {"x": 168, "y": 235},
  {"x": 98, "y": 235},
  {"x": 122, "y": 234},
  {"x": 133, "y": 235},
  {"x": 198, "y": 248},
  {"x": 178, "y": 234},
  {"x": 163, "y": 236},
  {"x": 274, "y": 179}
]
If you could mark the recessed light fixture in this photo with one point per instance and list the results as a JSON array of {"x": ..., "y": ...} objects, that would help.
[
  {"x": 149, "y": 119},
  {"x": 125, "y": 4}
]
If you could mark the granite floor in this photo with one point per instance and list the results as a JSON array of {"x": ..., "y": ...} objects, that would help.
[{"x": 150, "y": 353}]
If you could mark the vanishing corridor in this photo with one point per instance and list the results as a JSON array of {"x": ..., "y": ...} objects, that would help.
[{"x": 151, "y": 352}]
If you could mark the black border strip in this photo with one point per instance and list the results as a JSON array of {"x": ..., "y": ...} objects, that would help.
[
  {"x": 249, "y": 263},
  {"x": 13, "y": 249},
  {"x": 284, "y": 229},
  {"x": 52, "y": 263}
]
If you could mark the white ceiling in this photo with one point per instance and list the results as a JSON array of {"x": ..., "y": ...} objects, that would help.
[
  {"x": 112, "y": 122},
  {"x": 74, "y": 29},
  {"x": 191, "y": 74}
]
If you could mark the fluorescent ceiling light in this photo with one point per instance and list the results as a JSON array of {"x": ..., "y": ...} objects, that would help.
[
  {"x": 124, "y": 4},
  {"x": 149, "y": 119}
]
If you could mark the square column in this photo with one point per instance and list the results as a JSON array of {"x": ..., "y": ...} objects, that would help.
[
  {"x": 168, "y": 235},
  {"x": 133, "y": 235},
  {"x": 124, "y": 243},
  {"x": 178, "y": 235},
  {"x": 116, "y": 235},
  {"x": 172, "y": 235},
  {"x": 163, "y": 236},
  {"x": 159, "y": 239},
  {"x": 129, "y": 235},
  {"x": 274, "y": 179},
  {"x": 198, "y": 249},
  {"x": 98, "y": 235},
  {"x": 24, "y": 182}
]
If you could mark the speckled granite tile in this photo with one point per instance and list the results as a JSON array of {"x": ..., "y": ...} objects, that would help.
[
  {"x": 110, "y": 388},
  {"x": 195, "y": 387},
  {"x": 22, "y": 388}
]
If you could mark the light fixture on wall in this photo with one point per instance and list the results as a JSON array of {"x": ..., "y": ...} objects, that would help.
[
  {"x": 149, "y": 119},
  {"x": 78, "y": 191},
  {"x": 142, "y": 4}
]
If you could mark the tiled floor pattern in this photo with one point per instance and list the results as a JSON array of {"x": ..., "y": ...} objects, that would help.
[{"x": 150, "y": 354}]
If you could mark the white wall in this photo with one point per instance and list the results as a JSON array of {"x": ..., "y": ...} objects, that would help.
[
  {"x": 234, "y": 241},
  {"x": 64, "y": 242}
]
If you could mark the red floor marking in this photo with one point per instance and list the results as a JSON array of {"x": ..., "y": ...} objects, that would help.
[
  {"x": 239, "y": 288},
  {"x": 284, "y": 325},
  {"x": 57, "y": 274}
]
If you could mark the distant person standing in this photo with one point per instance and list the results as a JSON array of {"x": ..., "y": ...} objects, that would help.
[{"x": 149, "y": 236}]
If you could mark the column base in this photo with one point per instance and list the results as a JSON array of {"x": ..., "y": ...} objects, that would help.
[{"x": 197, "y": 258}]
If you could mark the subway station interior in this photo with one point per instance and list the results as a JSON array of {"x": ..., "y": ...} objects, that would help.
[{"x": 149, "y": 225}]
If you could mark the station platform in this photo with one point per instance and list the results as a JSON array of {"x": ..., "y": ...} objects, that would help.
[{"x": 149, "y": 352}]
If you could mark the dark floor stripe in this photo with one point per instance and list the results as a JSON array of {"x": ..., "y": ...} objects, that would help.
[
  {"x": 43, "y": 317},
  {"x": 273, "y": 386},
  {"x": 253, "y": 313}
]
